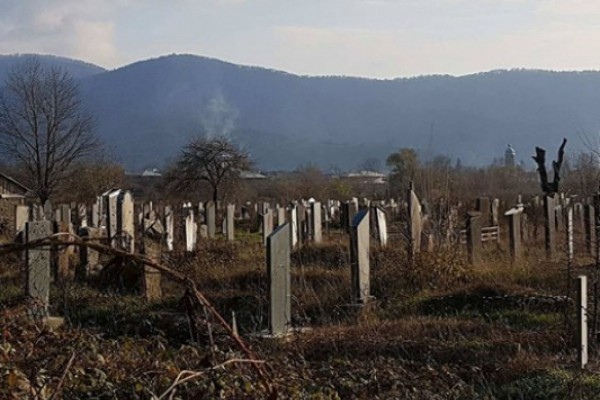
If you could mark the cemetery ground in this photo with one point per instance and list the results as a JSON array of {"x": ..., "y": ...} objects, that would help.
[{"x": 436, "y": 328}]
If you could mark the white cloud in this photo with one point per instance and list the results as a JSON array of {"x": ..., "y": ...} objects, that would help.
[{"x": 74, "y": 28}]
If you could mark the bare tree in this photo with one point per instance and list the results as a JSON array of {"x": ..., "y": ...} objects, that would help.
[
  {"x": 43, "y": 126},
  {"x": 216, "y": 161},
  {"x": 550, "y": 188}
]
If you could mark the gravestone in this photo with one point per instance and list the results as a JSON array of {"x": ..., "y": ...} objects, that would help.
[
  {"x": 558, "y": 218},
  {"x": 169, "y": 227},
  {"x": 315, "y": 213},
  {"x": 48, "y": 211},
  {"x": 38, "y": 268},
  {"x": 495, "y": 212},
  {"x": 191, "y": 231},
  {"x": 589, "y": 218},
  {"x": 415, "y": 222},
  {"x": 302, "y": 225},
  {"x": 582, "y": 326},
  {"x": 483, "y": 206},
  {"x": 359, "y": 257},
  {"x": 151, "y": 276},
  {"x": 278, "y": 268},
  {"x": 21, "y": 218},
  {"x": 474, "y": 236},
  {"x": 211, "y": 219},
  {"x": 569, "y": 226},
  {"x": 380, "y": 225},
  {"x": 280, "y": 215},
  {"x": 95, "y": 215},
  {"x": 267, "y": 225},
  {"x": 549, "y": 226},
  {"x": 88, "y": 258},
  {"x": 230, "y": 222},
  {"x": 293, "y": 221},
  {"x": 514, "y": 233}
]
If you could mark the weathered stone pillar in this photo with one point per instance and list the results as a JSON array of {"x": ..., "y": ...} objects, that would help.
[
  {"x": 514, "y": 233},
  {"x": 315, "y": 214},
  {"x": 211, "y": 219},
  {"x": 582, "y": 328},
  {"x": 474, "y": 236},
  {"x": 549, "y": 226},
  {"x": 230, "y": 222},
  {"x": 278, "y": 269},
  {"x": 152, "y": 277},
  {"x": 589, "y": 223},
  {"x": 38, "y": 268},
  {"x": 359, "y": 257}
]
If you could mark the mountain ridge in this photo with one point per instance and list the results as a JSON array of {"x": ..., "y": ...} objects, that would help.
[{"x": 148, "y": 109}]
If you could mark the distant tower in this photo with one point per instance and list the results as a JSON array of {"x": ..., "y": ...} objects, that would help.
[{"x": 509, "y": 157}]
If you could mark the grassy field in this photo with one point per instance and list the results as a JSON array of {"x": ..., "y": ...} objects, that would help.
[{"x": 437, "y": 328}]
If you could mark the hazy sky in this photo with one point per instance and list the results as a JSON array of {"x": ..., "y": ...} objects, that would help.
[{"x": 371, "y": 38}]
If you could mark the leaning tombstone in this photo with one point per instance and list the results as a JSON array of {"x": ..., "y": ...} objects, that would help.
[
  {"x": 278, "y": 267},
  {"x": 381, "y": 226},
  {"x": 359, "y": 257},
  {"x": 415, "y": 222}
]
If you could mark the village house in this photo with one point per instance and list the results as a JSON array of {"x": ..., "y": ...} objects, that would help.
[{"x": 12, "y": 194}]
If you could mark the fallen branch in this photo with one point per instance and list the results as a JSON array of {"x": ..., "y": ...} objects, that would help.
[
  {"x": 189, "y": 375},
  {"x": 62, "y": 379},
  {"x": 58, "y": 240}
]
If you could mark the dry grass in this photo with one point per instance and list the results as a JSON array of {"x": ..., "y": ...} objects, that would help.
[{"x": 437, "y": 329}]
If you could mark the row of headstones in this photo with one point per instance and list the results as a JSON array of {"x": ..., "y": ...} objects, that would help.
[
  {"x": 558, "y": 214},
  {"x": 279, "y": 248}
]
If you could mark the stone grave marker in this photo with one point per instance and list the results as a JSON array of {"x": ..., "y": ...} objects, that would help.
[
  {"x": 474, "y": 236},
  {"x": 483, "y": 206},
  {"x": 415, "y": 221},
  {"x": 21, "y": 218},
  {"x": 589, "y": 218},
  {"x": 315, "y": 213},
  {"x": 293, "y": 221},
  {"x": 359, "y": 257},
  {"x": 211, "y": 219},
  {"x": 278, "y": 268},
  {"x": 582, "y": 325},
  {"x": 381, "y": 226},
  {"x": 230, "y": 222},
  {"x": 280, "y": 215},
  {"x": 514, "y": 233},
  {"x": 549, "y": 226},
  {"x": 191, "y": 231},
  {"x": 38, "y": 268},
  {"x": 169, "y": 227},
  {"x": 267, "y": 225}
]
